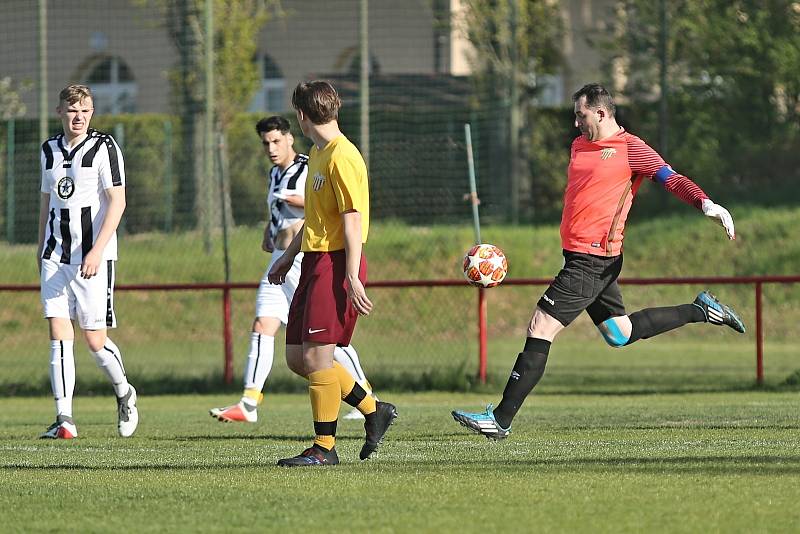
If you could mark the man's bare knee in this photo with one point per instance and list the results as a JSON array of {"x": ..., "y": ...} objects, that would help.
[
  {"x": 294, "y": 360},
  {"x": 266, "y": 326},
  {"x": 543, "y": 325},
  {"x": 616, "y": 331},
  {"x": 95, "y": 339}
]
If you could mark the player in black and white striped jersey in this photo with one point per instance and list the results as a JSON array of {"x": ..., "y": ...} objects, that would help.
[
  {"x": 83, "y": 198},
  {"x": 285, "y": 200}
]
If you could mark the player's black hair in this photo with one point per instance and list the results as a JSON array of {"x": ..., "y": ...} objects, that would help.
[
  {"x": 596, "y": 96},
  {"x": 276, "y": 122}
]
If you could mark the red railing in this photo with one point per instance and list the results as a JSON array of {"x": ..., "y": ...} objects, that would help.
[{"x": 226, "y": 288}]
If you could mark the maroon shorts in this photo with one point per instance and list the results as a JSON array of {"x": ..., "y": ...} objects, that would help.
[{"x": 320, "y": 311}]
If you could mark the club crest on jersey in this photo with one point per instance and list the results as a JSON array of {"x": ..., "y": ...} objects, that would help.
[
  {"x": 319, "y": 181},
  {"x": 607, "y": 153},
  {"x": 65, "y": 188}
]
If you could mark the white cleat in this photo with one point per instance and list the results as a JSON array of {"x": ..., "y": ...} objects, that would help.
[
  {"x": 63, "y": 428},
  {"x": 127, "y": 413},
  {"x": 238, "y": 413}
]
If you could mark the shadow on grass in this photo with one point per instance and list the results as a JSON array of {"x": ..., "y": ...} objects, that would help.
[
  {"x": 453, "y": 379},
  {"x": 705, "y": 465}
]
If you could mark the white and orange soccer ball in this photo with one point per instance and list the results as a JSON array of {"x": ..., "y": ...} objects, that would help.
[{"x": 485, "y": 265}]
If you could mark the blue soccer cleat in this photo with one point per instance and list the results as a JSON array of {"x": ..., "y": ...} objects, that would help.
[
  {"x": 718, "y": 313},
  {"x": 482, "y": 423}
]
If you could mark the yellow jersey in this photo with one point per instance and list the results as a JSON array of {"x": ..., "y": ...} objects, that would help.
[{"x": 337, "y": 182}]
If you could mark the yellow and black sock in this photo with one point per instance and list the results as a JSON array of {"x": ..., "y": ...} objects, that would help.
[
  {"x": 252, "y": 397},
  {"x": 324, "y": 390},
  {"x": 352, "y": 392}
]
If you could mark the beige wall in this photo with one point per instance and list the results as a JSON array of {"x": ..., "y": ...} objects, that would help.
[
  {"x": 586, "y": 22},
  {"x": 319, "y": 37},
  {"x": 71, "y": 33},
  {"x": 315, "y": 37}
]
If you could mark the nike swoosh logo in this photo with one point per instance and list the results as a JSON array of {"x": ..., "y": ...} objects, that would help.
[{"x": 310, "y": 331}]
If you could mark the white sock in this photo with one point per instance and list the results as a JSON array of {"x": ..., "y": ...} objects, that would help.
[
  {"x": 109, "y": 360},
  {"x": 259, "y": 363},
  {"x": 62, "y": 375},
  {"x": 348, "y": 358}
]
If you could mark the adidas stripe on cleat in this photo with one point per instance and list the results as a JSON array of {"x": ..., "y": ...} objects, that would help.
[
  {"x": 238, "y": 413},
  {"x": 63, "y": 428},
  {"x": 482, "y": 423},
  {"x": 718, "y": 313}
]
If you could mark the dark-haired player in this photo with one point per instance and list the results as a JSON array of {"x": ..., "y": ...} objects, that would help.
[
  {"x": 607, "y": 166},
  {"x": 285, "y": 200}
]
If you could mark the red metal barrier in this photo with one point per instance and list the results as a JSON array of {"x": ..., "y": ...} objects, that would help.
[
  {"x": 483, "y": 357},
  {"x": 227, "y": 335},
  {"x": 225, "y": 288}
]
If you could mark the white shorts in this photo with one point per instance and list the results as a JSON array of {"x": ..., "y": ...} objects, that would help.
[
  {"x": 273, "y": 300},
  {"x": 89, "y": 301}
]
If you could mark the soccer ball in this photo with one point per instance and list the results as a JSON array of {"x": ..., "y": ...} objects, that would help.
[{"x": 485, "y": 265}]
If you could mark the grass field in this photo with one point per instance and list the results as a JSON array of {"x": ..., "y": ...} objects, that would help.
[
  {"x": 703, "y": 462},
  {"x": 423, "y": 338}
]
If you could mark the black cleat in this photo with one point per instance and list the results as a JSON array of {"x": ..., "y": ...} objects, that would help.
[
  {"x": 717, "y": 312},
  {"x": 375, "y": 425},
  {"x": 314, "y": 455}
]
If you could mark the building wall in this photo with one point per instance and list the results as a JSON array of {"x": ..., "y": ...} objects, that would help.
[
  {"x": 319, "y": 37},
  {"x": 313, "y": 38},
  {"x": 74, "y": 35},
  {"x": 588, "y": 24}
]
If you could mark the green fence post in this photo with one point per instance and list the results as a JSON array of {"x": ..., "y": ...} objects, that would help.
[
  {"x": 10, "y": 213},
  {"x": 168, "y": 200}
]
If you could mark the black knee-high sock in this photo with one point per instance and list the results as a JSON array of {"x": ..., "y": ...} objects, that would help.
[
  {"x": 528, "y": 369},
  {"x": 653, "y": 321}
]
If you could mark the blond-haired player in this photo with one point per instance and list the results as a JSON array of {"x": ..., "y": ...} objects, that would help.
[{"x": 83, "y": 198}]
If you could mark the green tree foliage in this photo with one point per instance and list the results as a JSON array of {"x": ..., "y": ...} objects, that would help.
[
  {"x": 734, "y": 87},
  {"x": 237, "y": 24},
  {"x": 11, "y": 105},
  {"x": 515, "y": 41}
]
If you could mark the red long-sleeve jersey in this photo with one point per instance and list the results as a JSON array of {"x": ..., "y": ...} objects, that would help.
[{"x": 602, "y": 180}]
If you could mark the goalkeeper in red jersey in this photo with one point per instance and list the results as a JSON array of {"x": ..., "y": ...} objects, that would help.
[{"x": 607, "y": 165}]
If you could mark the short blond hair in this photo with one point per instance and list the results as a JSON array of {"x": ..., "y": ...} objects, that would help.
[{"x": 74, "y": 93}]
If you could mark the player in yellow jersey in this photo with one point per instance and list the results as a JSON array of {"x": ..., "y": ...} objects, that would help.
[{"x": 330, "y": 294}]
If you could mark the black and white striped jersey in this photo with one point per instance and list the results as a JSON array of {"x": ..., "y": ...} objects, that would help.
[
  {"x": 76, "y": 181},
  {"x": 291, "y": 181}
]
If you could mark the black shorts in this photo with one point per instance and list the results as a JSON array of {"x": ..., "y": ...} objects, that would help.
[{"x": 586, "y": 282}]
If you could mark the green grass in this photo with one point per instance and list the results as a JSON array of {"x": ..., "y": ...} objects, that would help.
[
  {"x": 719, "y": 462},
  {"x": 422, "y": 338}
]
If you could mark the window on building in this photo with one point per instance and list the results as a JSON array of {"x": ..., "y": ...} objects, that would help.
[
  {"x": 271, "y": 95},
  {"x": 549, "y": 90},
  {"x": 113, "y": 86}
]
